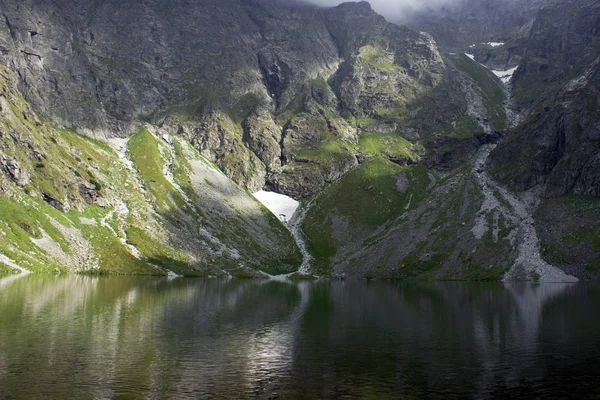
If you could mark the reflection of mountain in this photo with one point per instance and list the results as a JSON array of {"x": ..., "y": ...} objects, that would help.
[
  {"x": 521, "y": 346},
  {"x": 136, "y": 335},
  {"x": 81, "y": 337},
  {"x": 420, "y": 340}
]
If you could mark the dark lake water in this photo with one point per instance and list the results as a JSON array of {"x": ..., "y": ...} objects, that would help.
[{"x": 76, "y": 337}]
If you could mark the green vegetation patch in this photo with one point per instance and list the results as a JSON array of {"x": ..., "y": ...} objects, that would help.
[
  {"x": 569, "y": 229},
  {"x": 369, "y": 194},
  {"x": 160, "y": 254},
  {"x": 326, "y": 153},
  {"x": 391, "y": 146},
  {"x": 364, "y": 122},
  {"x": 466, "y": 128},
  {"x": 421, "y": 265},
  {"x": 393, "y": 114},
  {"x": 27, "y": 221},
  {"x": 113, "y": 256},
  {"x": 297, "y": 277},
  {"x": 481, "y": 274},
  {"x": 295, "y": 107},
  {"x": 23, "y": 221},
  {"x": 5, "y": 269},
  {"x": 146, "y": 156},
  {"x": 378, "y": 58},
  {"x": 376, "y": 192}
]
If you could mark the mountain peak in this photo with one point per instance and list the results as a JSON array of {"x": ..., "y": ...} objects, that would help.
[{"x": 360, "y": 8}]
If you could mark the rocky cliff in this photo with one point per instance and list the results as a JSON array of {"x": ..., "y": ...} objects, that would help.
[
  {"x": 556, "y": 87},
  {"x": 259, "y": 88}
]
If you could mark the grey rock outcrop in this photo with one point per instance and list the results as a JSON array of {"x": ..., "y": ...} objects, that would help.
[
  {"x": 263, "y": 135},
  {"x": 11, "y": 167}
]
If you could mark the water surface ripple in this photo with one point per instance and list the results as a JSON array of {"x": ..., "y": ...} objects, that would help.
[{"x": 156, "y": 338}]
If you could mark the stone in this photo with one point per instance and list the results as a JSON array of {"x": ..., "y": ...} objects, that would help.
[{"x": 12, "y": 169}]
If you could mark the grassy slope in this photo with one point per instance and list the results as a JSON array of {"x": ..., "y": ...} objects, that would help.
[
  {"x": 391, "y": 146},
  {"x": 20, "y": 222},
  {"x": 60, "y": 163},
  {"x": 363, "y": 226},
  {"x": 234, "y": 217},
  {"x": 145, "y": 154},
  {"x": 367, "y": 198}
]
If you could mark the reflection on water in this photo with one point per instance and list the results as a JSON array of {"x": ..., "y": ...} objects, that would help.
[{"x": 84, "y": 337}]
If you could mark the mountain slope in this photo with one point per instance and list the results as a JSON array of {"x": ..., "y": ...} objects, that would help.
[
  {"x": 259, "y": 88},
  {"x": 553, "y": 152},
  {"x": 386, "y": 137},
  {"x": 147, "y": 206}
]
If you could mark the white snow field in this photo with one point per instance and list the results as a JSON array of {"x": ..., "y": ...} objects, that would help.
[
  {"x": 281, "y": 205},
  {"x": 505, "y": 76}
]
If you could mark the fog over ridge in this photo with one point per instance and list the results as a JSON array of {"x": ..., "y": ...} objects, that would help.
[{"x": 395, "y": 10}]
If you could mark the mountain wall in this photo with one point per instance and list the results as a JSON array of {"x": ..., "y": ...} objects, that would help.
[{"x": 143, "y": 127}]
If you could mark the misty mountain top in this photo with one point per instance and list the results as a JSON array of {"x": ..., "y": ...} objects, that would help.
[{"x": 398, "y": 10}]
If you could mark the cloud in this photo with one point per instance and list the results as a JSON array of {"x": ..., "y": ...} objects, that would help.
[{"x": 396, "y": 10}]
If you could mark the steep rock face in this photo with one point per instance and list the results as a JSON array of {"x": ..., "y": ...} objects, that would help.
[
  {"x": 219, "y": 51},
  {"x": 472, "y": 24},
  {"x": 212, "y": 67},
  {"x": 39, "y": 43},
  {"x": 385, "y": 65},
  {"x": 262, "y": 135},
  {"x": 569, "y": 229},
  {"x": 220, "y": 140},
  {"x": 462, "y": 23},
  {"x": 557, "y": 89}
]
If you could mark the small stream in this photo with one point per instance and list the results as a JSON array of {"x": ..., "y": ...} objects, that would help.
[
  {"x": 518, "y": 209},
  {"x": 294, "y": 226}
]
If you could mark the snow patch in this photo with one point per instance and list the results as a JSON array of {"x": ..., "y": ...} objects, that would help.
[
  {"x": 505, "y": 76},
  {"x": 281, "y": 205},
  {"x": 494, "y": 44},
  {"x": 285, "y": 208}
]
